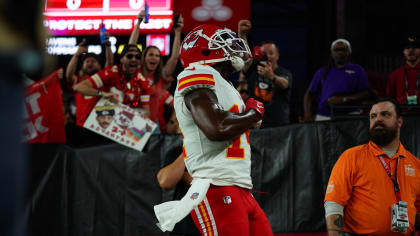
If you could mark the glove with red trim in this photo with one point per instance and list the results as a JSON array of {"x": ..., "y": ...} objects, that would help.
[{"x": 256, "y": 105}]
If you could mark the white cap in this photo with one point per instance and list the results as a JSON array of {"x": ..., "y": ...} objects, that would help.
[{"x": 342, "y": 41}]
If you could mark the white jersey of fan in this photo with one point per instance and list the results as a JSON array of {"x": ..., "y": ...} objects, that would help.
[{"x": 226, "y": 162}]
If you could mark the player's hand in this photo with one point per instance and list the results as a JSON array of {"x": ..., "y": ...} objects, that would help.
[
  {"x": 244, "y": 26},
  {"x": 266, "y": 71},
  {"x": 256, "y": 105}
]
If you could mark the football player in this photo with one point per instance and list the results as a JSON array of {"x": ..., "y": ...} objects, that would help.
[{"x": 215, "y": 125}]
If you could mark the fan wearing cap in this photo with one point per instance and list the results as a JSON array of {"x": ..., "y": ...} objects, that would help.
[
  {"x": 340, "y": 82},
  {"x": 404, "y": 83},
  {"x": 90, "y": 65},
  {"x": 128, "y": 84}
]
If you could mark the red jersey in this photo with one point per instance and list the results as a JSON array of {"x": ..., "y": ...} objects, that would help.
[
  {"x": 136, "y": 91},
  {"x": 396, "y": 87},
  {"x": 158, "y": 99},
  {"x": 84, "y": 104}
]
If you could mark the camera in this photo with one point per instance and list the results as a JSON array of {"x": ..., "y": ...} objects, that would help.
[
  {"x": 263, "y": 59},
  {"x": 259, "y": 55}
]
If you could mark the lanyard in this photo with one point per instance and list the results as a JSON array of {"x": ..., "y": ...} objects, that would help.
[
  {"x": 392, "y": 177},
  {"x": 406, "y": 81}
]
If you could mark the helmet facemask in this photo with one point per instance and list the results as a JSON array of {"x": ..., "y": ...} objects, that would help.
[{"x": 235, "y": 49}]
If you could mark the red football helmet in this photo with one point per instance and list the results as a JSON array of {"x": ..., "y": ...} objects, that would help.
[{"x": 210, "y": 44}]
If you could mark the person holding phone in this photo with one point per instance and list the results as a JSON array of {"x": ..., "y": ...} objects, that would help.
[{"x": 267, "y": 81}]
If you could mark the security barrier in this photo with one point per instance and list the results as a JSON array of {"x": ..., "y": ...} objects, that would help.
[{"x": 111, "y": 190}]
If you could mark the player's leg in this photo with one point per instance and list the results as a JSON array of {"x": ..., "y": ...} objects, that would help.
[
  {"x": 222, "y": 213},
  {"x": 258, "y": 222}
]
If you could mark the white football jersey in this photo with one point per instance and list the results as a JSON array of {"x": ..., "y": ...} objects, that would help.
[{"x": 225, "y": 163}]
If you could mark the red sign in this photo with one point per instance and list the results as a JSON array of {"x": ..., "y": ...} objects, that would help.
[
  {"x": 82, "y": 17},
  {"x": 44, "y": 116},
  {"x": 218, "y": 12}
]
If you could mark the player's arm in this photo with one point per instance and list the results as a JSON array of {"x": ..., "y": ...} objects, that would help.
[
  {"x": 171, "y": 174},
  {"x": 216, "y": 123}
]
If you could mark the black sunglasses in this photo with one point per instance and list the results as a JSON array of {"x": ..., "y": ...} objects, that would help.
[{"x": 129, "y": 56}]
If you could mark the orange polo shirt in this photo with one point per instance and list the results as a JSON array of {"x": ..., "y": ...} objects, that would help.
[{"x": 359, "y": 182}]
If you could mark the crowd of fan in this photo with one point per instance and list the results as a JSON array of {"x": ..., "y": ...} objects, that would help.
[{"x": 143, "y": 81}]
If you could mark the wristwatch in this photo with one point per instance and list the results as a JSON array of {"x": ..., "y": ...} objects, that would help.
[{"x": 99, "y": 93}]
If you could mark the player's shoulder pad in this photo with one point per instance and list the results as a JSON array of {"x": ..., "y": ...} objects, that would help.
[{"x": 194, "y": 77}]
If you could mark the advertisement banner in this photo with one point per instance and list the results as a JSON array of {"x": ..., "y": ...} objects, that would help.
[
  {"x": 120, "y": 123},
  {"x": 44, "y": 115}
]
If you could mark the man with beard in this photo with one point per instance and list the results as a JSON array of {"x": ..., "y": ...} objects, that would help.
[
  {"x": 90, "y": 66},
  {"x": 404, "y": 83},
  {"x": 371, "y": 179},
  {"x": 340, "y": 82},
  {"x": 130, "y": 87}
]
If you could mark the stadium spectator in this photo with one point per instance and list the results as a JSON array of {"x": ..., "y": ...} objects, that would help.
[
  {"x": 129, "y": 86},
  {"x": 340, "y": 82},
  {"x": 159, "y": 76},
  {"x": 268, "y": 82},
  {"x": 369, "y": 180},
  {"x": 404, "y": 83},
  {"x": 90, "y": 65}
]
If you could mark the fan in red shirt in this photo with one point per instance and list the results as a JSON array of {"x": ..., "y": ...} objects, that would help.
[
  {"x": 90, "y": 66},
  {"x": 128, "y": 85},
  {"x": 159, "y": 76},
  {"x": 404, "y": 83}
]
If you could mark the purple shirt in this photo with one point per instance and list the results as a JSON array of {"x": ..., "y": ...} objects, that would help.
[{"x": 348, "y": 80}]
